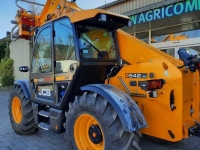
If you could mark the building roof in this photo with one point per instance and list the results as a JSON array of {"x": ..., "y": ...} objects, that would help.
[
  {"x": 142, "y": 9},
  {"x": 111, "y": 4},
  {"x": 150, "y": 7}
]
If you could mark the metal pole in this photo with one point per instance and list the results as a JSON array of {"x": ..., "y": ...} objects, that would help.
[
  {"x": 105, "y": 4},
  {"x": 27, "y": 2},
  {"x": 12, "y": 35}
]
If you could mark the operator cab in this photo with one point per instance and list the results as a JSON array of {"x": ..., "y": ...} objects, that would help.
[{"x": 69, "y": 55}]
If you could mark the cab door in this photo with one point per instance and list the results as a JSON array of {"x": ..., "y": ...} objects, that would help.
[
  {"x": 42, "y": 67},
  {"x": 65, "y": 57}
]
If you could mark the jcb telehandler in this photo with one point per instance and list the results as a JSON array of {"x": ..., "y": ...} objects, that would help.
[{"x": 100, "y": 85}]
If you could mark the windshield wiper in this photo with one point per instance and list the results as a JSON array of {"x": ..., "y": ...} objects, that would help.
[{"x": 99, "y": 52}]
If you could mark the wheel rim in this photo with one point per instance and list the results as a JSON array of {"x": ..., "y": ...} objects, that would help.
[
  {"x": 16, "y": 110},
  {"x": 84, "y": 137}
]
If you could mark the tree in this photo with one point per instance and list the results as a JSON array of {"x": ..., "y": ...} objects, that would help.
[
  {"x": 6, "y": 64},
  {"x": 6, "y": 69},
  {"x": 34, "y": 8},
  {"x": 6, "y": 72},
  {"x": 7, "y": 53},
  {"x": 3, "y": 45}
]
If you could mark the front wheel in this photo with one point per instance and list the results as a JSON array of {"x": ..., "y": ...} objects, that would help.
[
  {"x": 92, "y": 124},
  {"x": 21, "y": 113}
]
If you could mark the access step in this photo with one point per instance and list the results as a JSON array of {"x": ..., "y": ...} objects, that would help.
[
  {"x": 44, "y": 113},
  {"x": 44, "y": 125}
]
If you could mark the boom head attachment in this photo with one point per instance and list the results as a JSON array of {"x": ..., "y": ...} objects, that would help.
[{"x": 27, "y": 21}]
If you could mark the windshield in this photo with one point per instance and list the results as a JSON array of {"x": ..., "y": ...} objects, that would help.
[{"x": 96, "y": 43}]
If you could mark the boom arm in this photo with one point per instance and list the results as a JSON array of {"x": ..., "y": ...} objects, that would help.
[{"x": 27, "y": 20}]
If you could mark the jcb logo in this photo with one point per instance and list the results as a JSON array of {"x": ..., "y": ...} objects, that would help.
[{"x": 44, "y": 92}]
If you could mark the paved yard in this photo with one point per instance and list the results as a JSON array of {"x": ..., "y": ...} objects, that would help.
[{"x": 48, "y": 140}]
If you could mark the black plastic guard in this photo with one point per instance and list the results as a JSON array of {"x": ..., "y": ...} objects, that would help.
[
  {"x": 194, "y": 130},
  {"x": 128, "y": 111},
  {"x": 24, "y": 84}
]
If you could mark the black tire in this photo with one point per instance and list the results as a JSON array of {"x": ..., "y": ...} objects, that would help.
[
  {"x": 115, "y": 137},
  {"x": 27, "y": 124}
]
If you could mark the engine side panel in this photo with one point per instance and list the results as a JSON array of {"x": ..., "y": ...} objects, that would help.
[
  {"x": 157, "y": 111},
  {"x": 180, "y": 85}
]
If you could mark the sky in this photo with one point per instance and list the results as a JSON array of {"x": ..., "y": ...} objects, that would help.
[{"x": 8, "y": 11}]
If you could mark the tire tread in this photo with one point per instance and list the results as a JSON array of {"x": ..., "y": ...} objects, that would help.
[
  {"x": 116, "y": 137},
  {"x": 27, "y": 125}
]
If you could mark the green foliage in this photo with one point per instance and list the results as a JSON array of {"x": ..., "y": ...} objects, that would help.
[
  {"x": 6, "y": 67},
  {"x": 6, "y": 64},
  {"x": 7, "y": 80},
  {"x": 7, "y": 54},
  {"x": 6, "y": 72},
  {"x": 3, "y": 45}
]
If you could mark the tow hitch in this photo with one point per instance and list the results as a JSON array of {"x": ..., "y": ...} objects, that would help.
[{"x": 195, "y": 130}]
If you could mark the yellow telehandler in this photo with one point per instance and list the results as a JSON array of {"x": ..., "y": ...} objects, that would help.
[{"x": 100, "y": 85}]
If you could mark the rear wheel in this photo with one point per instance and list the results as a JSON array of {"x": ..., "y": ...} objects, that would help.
[
  {"x": 21, "y": 113},
  {"x": 92, "y": 124},
  {"x": 92, "y": 136}
]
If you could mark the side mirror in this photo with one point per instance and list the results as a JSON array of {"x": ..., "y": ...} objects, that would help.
[{"x": 23, "y": 69}]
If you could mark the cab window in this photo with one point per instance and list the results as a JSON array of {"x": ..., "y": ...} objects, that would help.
[
  {"x": 41, "y": 61},
  {"x": 96, "y": 43},
  {"x": 63, "y": 45}
]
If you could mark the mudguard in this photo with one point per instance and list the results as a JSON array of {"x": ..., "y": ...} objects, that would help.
[
  {"x": 24, "y": 84},
  {"x": 129, "y": 113}
]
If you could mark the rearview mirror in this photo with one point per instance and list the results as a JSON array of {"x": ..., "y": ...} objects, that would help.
[{"x": 23, "y": 69}]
